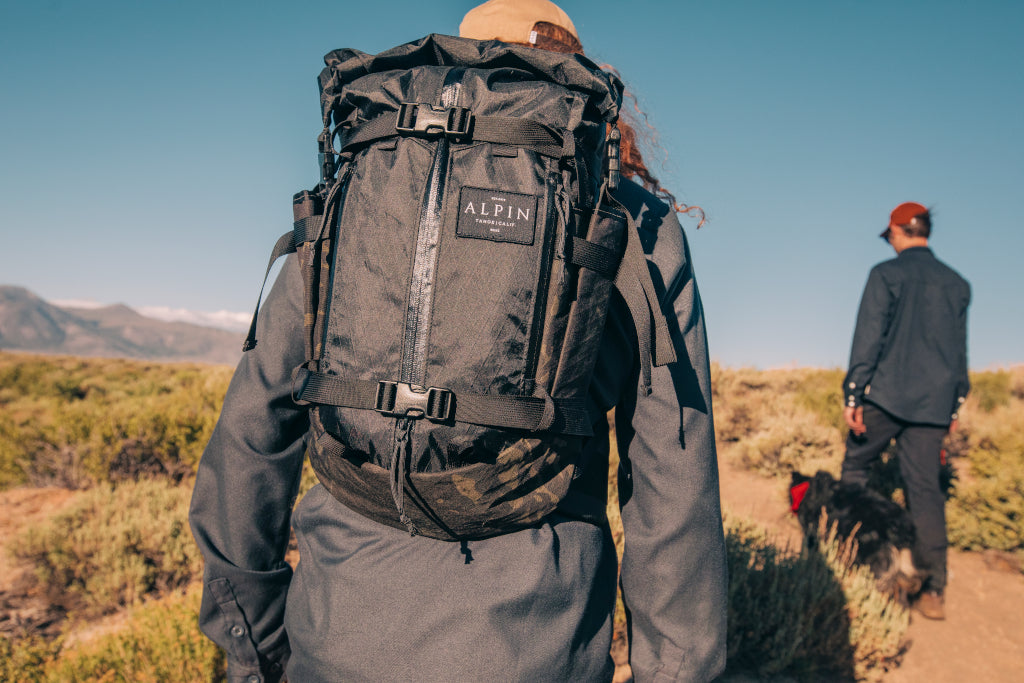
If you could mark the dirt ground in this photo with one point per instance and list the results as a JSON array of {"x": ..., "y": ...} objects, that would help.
[{"x": 982, "y": 638}]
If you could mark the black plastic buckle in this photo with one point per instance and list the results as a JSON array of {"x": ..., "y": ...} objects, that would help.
[
  {"x": 399, "y": 399},
  {"x": 326, "y": 156},
  {"x": 429, "y": 121},
  {"x": 612, "y": 158}
]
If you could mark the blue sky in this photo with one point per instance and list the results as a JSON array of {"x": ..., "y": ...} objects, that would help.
[{"x": 149, "y": 150}]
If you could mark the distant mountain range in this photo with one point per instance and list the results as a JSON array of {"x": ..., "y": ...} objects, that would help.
[{"x": 28, "y": 323}]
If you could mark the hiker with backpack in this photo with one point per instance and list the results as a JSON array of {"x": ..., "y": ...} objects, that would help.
[{"x": 476, "y": 282}]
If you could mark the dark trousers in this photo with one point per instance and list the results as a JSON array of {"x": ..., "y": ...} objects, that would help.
[{"x": 918, "y": 454}]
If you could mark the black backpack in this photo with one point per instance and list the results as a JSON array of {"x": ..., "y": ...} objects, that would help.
[{"x": 459, "y": 258}]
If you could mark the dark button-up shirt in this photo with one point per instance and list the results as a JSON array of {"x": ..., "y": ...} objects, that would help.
[
  {"x": 368, "y": 602},
  {"x": 909, "y": 354}
]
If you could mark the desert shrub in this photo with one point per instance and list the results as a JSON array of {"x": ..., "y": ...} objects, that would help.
[
  {"x": 74, "y": 422},
  {"x": 160, "y": 641},
  {"x": 774, "y": 421},
  {"x": 1017, "y": 382},
  {"x": 10, "y": 453},
  {"x": 114, "y": 546},
  {"x": 820, "y": 392},
  {"x": 812, "y": 614},
  {"x": 25, "y": 659},
  {"x": 991, "y": 389},
  {"x": 988, "y": 508},
  {"x": 796, "y": 441}
]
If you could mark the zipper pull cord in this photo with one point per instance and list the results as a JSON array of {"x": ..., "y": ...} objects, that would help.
[{"x": 399, "y": 469}]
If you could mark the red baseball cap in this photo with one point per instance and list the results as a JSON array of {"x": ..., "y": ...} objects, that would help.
[{"x": 903, "y": 215}]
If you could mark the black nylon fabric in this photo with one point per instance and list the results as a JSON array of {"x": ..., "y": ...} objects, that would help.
[
  {"x": 570, "y": 71},
  {"x": 485, "y": 312}
]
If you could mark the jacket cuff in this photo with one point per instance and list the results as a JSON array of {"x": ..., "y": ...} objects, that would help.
[
  {"x": 226, "y": 625},
  {"x": 853, "y": 396},
  {"x": 268, "y": 671},
  {"x": 956, "y": 409}
]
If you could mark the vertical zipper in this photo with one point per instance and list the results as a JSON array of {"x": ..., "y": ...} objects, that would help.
[
  {"x": 421, "y": 299},
  {"x": 428, "y": 236},
  {"x": 551, "y": 225}
]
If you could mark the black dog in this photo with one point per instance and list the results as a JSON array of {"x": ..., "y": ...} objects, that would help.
[{"x": 882, "y": 528}]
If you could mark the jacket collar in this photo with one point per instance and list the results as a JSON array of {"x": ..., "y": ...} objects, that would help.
[{"x": 914, "y": 251}]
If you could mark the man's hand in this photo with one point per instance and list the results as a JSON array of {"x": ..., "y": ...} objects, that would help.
[
  {"x": 855, "y": 419},
  {"x": 953, "y": 425}
]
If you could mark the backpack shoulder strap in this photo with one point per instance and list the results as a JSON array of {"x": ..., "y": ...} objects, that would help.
[
  {"x": 633, "y": 280},
  {"x": 285, "y": 245},
  {"x": 308, "y": 226}
]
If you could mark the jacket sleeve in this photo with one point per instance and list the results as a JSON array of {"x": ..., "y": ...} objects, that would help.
[
  {"x": 674, "y": 575},
  {"x": 873, "y": 320},
  {"x": 963, "y": 385},
  {"x": 245, "y": 488}
]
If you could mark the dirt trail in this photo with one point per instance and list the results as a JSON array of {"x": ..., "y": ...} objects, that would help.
[{"x": 982, "y": 638}]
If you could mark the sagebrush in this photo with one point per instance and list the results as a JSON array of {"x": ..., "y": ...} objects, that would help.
[
  {"x": 159, "y": 642},
  {"x": 812, "y": 613},
  {"x": 114, "y": 546},
  {"x": 76, "y": 422}
]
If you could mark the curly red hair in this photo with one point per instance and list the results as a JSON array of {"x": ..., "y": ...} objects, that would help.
[{"x": 631, "y": 158}]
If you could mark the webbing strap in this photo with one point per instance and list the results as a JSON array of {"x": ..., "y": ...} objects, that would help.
[
  {"x": 594, "y": 257},
  {"x": 505, "y": 130},
  {"x": 633, "y": 280},
  {"x": 370, "y": 131},
  {"x": 285, "y": 245},
  {"x": 532, "y": 413},
  {"x": 306, "y": 229}
]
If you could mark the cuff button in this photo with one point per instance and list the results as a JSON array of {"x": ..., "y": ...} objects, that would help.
[{"x": 237, "y": 631}]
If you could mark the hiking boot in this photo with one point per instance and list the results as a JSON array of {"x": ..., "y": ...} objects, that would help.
[{"x": 931, "y": 605}]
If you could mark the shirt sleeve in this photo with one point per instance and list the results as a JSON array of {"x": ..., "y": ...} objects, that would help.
[
  {"x": 245, "y": 487},
  {"x": 963, "y": 385},
  {"x": 674, "y": 575},
  {"x": 873, "y": 320}
]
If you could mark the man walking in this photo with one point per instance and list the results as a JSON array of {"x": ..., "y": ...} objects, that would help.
[{"x": 907, "y": 379}]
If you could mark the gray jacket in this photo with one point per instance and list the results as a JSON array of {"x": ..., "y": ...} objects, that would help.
[{"x": 369, "y": 602}]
